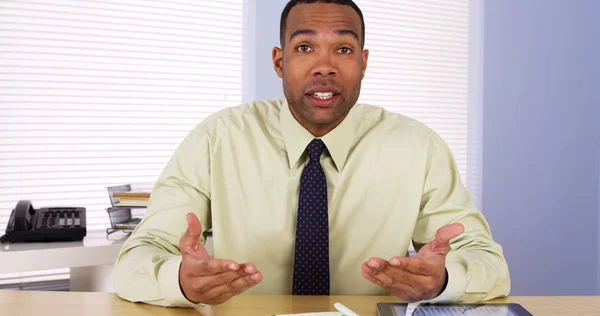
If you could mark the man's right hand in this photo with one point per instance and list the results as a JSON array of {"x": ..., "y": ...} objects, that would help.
[{"x": 207, "y": 280}]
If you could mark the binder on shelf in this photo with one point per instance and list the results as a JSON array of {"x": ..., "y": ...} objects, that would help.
[
  {"x": 123, "y": 200},
  {"x": 122, "y": 219},
  {"x": 128, "y": 198},
  {"x": 123, "y": 216}
]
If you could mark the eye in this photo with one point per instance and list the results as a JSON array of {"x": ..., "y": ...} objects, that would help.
[
  {"x": 344, "y": 50},
  {"x": 303, "y": 48}
]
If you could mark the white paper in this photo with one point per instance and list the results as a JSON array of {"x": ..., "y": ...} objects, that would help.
[{"x": 314, "y": 314}]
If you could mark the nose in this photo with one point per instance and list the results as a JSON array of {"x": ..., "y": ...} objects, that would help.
[
  {"x": 325, "y": 68},
  {"x": 324, "y": 71}
]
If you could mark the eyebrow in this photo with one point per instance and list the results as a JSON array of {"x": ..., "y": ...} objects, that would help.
[
  {"x": 348, "y": 32},
  {"x": 313, "y": 33}
]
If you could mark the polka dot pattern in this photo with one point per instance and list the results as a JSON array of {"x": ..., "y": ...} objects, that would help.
[{"x": 311, "y": 260}]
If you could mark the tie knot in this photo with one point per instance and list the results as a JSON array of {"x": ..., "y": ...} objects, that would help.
[{"x": 315, "y": 148}]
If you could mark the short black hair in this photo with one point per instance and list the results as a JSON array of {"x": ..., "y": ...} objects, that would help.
[{"x": 292, "y": 3}]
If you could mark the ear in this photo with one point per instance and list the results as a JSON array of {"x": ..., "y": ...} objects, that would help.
[
  {"x": 365, "y": 58},
  {"x": 278, "y": 61}
]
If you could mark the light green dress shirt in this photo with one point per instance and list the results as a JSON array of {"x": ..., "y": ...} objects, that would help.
[{"x": 390, "y": 180}]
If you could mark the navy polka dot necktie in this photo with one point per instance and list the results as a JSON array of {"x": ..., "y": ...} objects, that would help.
[{"x": 311, "y": 260}]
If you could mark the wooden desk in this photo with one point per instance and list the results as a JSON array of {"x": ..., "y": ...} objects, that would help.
[{"x": 26, "y": 303}]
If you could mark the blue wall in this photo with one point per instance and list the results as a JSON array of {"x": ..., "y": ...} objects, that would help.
[
  {"x": 541, "y": 173},
  {"x": 597, "y": 123},
  {"x": 261, "y": 35}
]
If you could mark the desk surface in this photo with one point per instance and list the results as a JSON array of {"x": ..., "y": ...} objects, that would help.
[
  {"x": 95, "y": 249},
  {"x": 25, "y": 303}
]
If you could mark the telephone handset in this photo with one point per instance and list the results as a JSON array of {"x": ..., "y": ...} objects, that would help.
[
  {"x": 27, "y": 224},
  {"x": 22, "y": 216}
]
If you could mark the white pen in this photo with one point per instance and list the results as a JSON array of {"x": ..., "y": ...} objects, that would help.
[{"x": 345, "y": 310}]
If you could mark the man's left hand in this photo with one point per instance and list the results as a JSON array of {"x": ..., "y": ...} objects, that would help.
[{"x": 418, "y": 278}]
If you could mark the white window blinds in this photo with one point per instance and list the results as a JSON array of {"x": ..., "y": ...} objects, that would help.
[
  {"x": 100, "y": 93},
  {"x": 418, "y": 66}
]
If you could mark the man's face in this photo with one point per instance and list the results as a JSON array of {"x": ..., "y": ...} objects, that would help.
[{"x": 322, "y": 64}]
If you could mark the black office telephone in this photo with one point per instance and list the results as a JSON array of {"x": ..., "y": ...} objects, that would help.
[{"x": 27, "y": 224}]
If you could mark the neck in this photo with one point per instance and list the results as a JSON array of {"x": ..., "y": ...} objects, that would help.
[
  {"x": 317, "y": 130},
  {"x": 320, "y": 130}
]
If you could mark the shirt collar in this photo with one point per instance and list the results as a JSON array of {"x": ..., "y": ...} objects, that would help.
[{"x": 296, "y": 137}]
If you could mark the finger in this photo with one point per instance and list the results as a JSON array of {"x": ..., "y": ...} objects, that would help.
[
  {"x": 235, "y": 285},
  {"x": 249, "y": 268},
  {"x": 191, "y": 239},
  {"x": 367, "y": 275},
  {"x": 210, "y": 267},
  {"x": 385, "y": 279},
  {"x": 377, "y": 264},
  {"x": 366, "y": 269},
  {"x": 242, "y": 284},
  {"x": 204, "y": 283},
  {"x": 374, "y": 280},
  {"x": 441, "y": 243},
  {"x": 227, "y": 295},
  {"x": 403, "y": 291},
  {"x": 401, "y": 276},
  {"x": 416, "y": 265}
]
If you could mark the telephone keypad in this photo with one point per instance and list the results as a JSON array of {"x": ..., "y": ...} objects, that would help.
[{"x": 56, "y": 218}]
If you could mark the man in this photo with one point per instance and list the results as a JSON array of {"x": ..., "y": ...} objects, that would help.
[{"x": 312, "y": 195}]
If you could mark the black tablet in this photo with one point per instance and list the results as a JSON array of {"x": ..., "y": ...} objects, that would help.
[{"x": 493, "y": 309}]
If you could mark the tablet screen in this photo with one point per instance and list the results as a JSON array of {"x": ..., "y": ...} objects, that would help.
[
  {"x": 487, "y": 310},
  {"x": 493, "y": 309}
]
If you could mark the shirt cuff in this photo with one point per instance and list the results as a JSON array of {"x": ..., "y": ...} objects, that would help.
[
  {"x": 168, "y": 280},
  {"x": 457, "y": 283}
]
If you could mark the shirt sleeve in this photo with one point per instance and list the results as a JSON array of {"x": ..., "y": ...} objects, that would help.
[
  {"x": 476, "y": 266},
  {"x": 147, "y": 267}
]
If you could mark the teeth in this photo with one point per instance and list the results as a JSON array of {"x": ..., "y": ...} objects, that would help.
[{"x": 323, "y": 95}]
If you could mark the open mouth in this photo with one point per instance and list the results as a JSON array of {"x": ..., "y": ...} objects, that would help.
[
  {"x": 322, "y": 99},
  {"x": 323, "y": 95}
]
